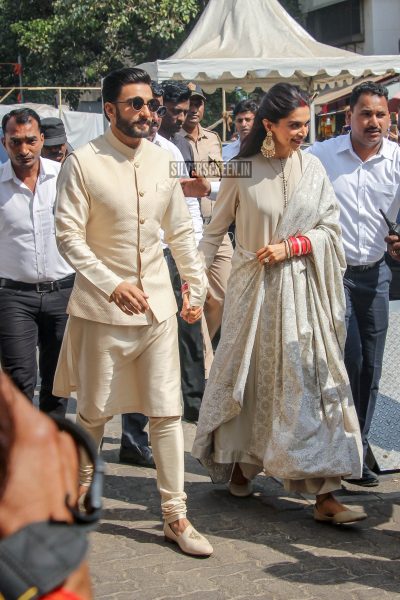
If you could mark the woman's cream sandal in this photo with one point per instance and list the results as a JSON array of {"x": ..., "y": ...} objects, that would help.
[
  {"x": 241, "y": 490},
  {"x": 340, "y": 518}
]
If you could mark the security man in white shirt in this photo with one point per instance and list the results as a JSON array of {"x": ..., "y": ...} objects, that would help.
[
  {"x": 35, "y": 281},
  {"x": 364, "y": 169}
]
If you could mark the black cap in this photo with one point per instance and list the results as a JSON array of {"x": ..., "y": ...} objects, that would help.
[
  {"x": 54, "y": 131},
  {"x": 196, "y": 90}
]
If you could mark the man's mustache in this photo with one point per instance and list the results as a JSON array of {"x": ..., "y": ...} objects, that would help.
[
  {"x": 143, "y": 122},
  {"x": 373, "y": 130}
]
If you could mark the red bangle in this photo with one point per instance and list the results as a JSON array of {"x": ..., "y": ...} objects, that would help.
[
  {"x": 305, "y": 244},
  {"x": 299, "y": 245},
  {"x": 185, "y": 288},
  {"x": 295, "y": 245},
  {"x": 308, "y": 245}
]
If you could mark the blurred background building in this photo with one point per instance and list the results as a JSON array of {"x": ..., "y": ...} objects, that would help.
[{"x": 363, "y": 26}]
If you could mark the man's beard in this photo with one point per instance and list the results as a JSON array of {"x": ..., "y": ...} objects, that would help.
[{"x": 130, "y": 129}]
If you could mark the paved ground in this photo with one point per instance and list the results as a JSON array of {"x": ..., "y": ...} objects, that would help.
[{"x": 267, "y": 546}]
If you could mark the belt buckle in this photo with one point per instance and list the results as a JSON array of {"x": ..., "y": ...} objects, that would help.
[{"x": 45, "y": 286}]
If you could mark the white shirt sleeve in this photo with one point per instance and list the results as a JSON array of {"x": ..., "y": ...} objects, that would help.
[{"x": 192, "y": 203}]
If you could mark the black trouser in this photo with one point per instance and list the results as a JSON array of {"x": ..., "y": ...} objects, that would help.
[
  {"x": 367, "y": 318},
  {"x": 30, "y": 319},
  {"x": 133, "y": 434},
  {"x": 191, "y": 352}
]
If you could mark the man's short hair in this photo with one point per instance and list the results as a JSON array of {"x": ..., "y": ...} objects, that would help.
[
  {"x": 115, "y": 81},
  {"x": 368, "y": 87},
  {"x": 175, "y": 91},
  {"x": 157, "y": 89},
  {"x": 245, "y": 106},
  {"x": 21, "y": 116}
]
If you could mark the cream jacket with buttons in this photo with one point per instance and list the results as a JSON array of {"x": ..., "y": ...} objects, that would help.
[{"x": 111, "y": 203}]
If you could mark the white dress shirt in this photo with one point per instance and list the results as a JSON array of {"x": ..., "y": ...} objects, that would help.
[
  {"x": 192, "y": 203},
  {"x": 28, "y": 247},
  {"x": 230, "y": 150},
  {"x": 362, "y": 188}
]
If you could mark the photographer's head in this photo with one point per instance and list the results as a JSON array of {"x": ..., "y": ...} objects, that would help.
[{"x": 39, "y": 466}]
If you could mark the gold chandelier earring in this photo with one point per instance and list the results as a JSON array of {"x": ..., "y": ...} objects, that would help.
[{"x": 268, "y": 146}]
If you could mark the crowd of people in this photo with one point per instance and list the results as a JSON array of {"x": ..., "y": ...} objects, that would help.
[{"x": 276, "y": 351}]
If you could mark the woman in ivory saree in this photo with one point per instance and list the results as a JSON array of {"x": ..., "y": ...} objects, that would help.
[{"x": 278, "y": 398}]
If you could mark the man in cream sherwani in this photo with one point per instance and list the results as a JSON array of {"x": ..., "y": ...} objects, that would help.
[{"x": 120, "y": 350}]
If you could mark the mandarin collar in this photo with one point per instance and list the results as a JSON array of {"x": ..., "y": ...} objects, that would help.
[{"x": 123, "y": 148}]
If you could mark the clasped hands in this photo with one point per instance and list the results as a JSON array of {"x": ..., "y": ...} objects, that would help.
[{"x": 133, "y": 301}]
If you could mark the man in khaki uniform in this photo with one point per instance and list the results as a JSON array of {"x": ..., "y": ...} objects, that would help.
[
  {"x": 120, "y": 350},
  {"x": 207, "y": 149}
]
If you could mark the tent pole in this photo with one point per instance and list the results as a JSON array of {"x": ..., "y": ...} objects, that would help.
[
  {"x": 223, "y": 115},
  {"x": 59, "y": 102},
  {"x": 312, "y": 123}
]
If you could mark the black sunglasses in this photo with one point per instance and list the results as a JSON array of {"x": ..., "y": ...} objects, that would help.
[
  {"x": 137, "y": 103},
  {"x": 162, "y": 111}
]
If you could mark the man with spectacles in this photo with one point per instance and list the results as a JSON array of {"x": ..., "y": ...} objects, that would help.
[
  {"x": 135, "y": 447},
  {"x": 120, "y": 351},
  {"x": 243, "y": 117}
]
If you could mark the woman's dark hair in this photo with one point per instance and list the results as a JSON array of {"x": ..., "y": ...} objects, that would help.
[{"x": 278, "y": 103}]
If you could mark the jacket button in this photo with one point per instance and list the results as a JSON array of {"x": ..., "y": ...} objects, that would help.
[
  {"x": 141, "y": 193},
  {"x": 142, "y": 249},
  {"x": 141, "y": 221},
  {"x": 136, "y": 164}
]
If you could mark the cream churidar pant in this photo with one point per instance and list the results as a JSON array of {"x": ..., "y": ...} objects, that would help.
[{"x": 117, "y": 369}]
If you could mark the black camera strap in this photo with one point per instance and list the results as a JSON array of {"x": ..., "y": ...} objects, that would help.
[{"x": 39, "y": 557}]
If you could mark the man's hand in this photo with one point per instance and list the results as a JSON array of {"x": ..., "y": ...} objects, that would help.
[
  {"x": 275, "y": 253},
  {"x": 129, "y": 298},
  {"x": 190, "y": 314},
  {"x": 393, "y": 242},
  {"x": 196, "y": 187}
]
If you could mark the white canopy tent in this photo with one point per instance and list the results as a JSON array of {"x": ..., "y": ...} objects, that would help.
[{"x": 256, "y": 43}]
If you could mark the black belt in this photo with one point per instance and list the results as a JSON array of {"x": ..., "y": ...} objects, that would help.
[
  {"x": 42, "y": 287},
  {"x": 361, "y": 268}
]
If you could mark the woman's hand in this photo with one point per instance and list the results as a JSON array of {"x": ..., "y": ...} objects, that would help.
[
  {"x": 272, "y": 254},
  {"x": 189, "y": 313}
]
